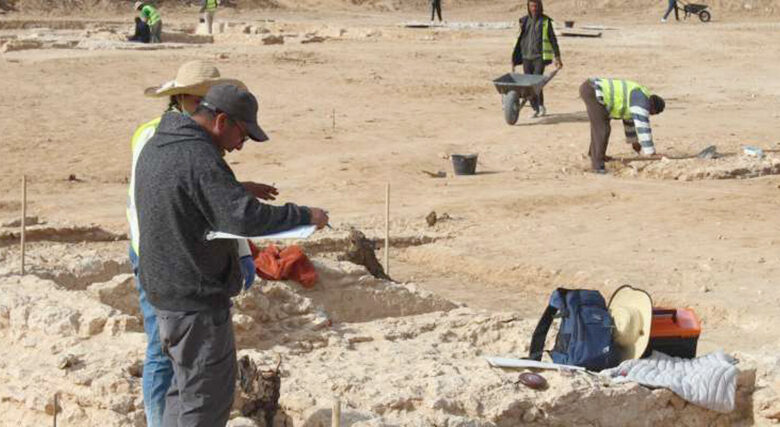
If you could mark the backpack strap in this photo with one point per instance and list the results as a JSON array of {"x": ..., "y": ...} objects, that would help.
[{"x": 557, "y": 302}]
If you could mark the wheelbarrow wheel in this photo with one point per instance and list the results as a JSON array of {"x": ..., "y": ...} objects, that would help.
[
  {"x": 704, "y": 16},
  {"x": 511, "y": 107}
]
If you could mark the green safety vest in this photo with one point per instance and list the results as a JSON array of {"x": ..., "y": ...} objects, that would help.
[
  {"x": 211, "y": 5},
  {"x": 547, "y": 50},
  {"x": 617, "y": 94},
  {"x": 141, "y": 136},
  {"x": 152, "y": 13}
]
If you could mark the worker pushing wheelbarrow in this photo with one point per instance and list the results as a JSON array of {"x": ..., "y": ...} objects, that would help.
[
  {"x": 688, "y": 9},
  {"x": 536, "y": 47},
  {"x": 513, "y": 87}
]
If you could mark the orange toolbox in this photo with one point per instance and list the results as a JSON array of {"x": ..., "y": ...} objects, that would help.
[{"x": 674, "y": 332}]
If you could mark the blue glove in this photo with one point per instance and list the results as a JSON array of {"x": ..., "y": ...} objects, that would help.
[{"x": 248, "y": 270}]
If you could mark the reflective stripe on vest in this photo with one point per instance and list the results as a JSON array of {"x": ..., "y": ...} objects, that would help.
[
  {"x": 547, "y": 50},
  {"x": 152, "y": 13},
  {"x": 141, "y": 136},
  {"x": 211, "y": 5},
  {"x": 617, "y": 95}
]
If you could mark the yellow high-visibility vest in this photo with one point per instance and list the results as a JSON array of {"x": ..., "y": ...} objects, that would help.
[
  {"x": 547, "y": 50},
  {"x": 141, "y": 136},
  {"x": 151, "y": 13},
  {"x": 617, "y": 94}
]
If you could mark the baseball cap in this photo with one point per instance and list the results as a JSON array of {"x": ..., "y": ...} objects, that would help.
[{"x": 239, "y": 104}]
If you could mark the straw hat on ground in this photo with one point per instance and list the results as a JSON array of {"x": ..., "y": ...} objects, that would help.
[
  {"x": 193, "y": 78},
  {"x": 632, "y": 313}
]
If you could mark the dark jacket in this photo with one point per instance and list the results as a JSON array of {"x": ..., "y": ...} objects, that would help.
[
  {"x": 184, "y": 189},
  {"x": 142, "y": 32},
  {"x": 517, "y": 54}
]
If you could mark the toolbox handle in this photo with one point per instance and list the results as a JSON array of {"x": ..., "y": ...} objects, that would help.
[{"x": 666, "y": 312}]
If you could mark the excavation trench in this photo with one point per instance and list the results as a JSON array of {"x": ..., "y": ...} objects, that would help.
[
  {"x": 75, "y": 234},
  {"x": 396, "y": 354}
]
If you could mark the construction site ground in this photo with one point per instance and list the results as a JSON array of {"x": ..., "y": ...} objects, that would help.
[{"x": 352, "y": 100}]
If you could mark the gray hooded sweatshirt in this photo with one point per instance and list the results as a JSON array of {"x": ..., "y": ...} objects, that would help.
[{"x": 184, "y": 189}]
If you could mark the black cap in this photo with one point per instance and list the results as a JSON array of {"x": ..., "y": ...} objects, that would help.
[{"x": 239, "y": 104}]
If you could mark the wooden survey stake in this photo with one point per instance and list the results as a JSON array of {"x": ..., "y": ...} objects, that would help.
[
  {"x": 335, "y": 419},
  {"x": 387, "y": 229},
  {"x": 24, "y": 220}
]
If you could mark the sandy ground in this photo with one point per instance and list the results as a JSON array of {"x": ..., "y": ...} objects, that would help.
[{"x": 403, "y": 100}]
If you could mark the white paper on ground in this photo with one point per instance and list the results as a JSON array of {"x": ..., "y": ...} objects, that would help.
[
  {"x": 300, "y": 232},
  {"x": 505, "y": 362}
]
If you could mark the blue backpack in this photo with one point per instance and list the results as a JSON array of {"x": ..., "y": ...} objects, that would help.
[{"x": 585, "y": 335}]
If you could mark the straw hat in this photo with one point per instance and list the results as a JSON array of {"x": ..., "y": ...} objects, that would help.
[
  {"x": 138, "y": 5},
  {"x": 632, "y": 313},
  {"x": 193, "y": 78}
]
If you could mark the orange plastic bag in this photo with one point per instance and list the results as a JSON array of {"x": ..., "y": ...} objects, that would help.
[{"x": 287, "y": 264}]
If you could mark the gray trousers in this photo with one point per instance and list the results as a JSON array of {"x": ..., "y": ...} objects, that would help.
[
  {"x": 156, "y": 32},
  {"x": 208, "y": 18},
  {"x": 599, "y": 125},
  {"x": 535, "y": 66},
  {"x": 202, "y": 348}
]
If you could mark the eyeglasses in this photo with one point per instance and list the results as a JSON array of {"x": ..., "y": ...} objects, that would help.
[{"x": 244, "y": 134}]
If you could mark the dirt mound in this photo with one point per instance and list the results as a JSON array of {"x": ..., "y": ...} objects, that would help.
[{"x": 730, "y": 167}]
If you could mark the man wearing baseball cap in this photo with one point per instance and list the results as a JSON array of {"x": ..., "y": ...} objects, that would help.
[
  {"x": 184, "y": 94},
  {"x": 237, "y": 105},
  {"x": 184, "y": 189}
]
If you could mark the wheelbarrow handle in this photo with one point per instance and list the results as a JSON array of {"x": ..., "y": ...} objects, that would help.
[{"x": 550, "y": 76}]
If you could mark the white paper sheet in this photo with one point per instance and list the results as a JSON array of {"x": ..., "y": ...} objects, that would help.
[
  {"x": 505, "y": 362},
  {"x": 300, "y": 232}
]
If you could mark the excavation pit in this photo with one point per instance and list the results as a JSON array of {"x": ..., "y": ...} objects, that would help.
[
  {"x": 72, "y": 266},
  {"x": 285, "y": 313},
  {"x": 395, "y": 354}
]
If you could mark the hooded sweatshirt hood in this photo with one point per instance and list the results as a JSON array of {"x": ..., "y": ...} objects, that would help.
[
  {"x": 178, "y": 128},
  {"x": 540, "y": 10}
]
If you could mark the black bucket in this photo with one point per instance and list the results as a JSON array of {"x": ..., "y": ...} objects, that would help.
[
  {"x": 568, "y": 24},
  {"x": 464, "y": 164}
]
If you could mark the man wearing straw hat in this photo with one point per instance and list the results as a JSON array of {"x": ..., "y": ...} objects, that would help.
[
  {"x": 185, "y": 92},
  {"x": 152, "y": 18}
]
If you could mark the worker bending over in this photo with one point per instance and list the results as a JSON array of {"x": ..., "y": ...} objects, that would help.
[{"x": 607, "y": 99}]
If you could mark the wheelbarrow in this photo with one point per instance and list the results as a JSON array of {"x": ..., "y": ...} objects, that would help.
[
  {"x": 693, "y": 9},
  {"x": 513, "y": 86}
]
